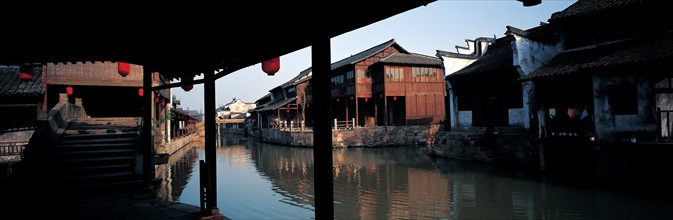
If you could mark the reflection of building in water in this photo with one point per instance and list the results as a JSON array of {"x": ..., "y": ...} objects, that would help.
[
  {"x": 381, "y": 184},
  {"x": 290, "y": 171},
  {"x": 177, "y": 172},
  {"x": 368, "y": 184}
]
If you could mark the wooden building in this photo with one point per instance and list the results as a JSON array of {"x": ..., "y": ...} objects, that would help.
[
  {"x": 408, "y": 89},
  {"x": 387, "y": 85},
  {"x": 286, "y": 106},
  {"x": 21, "y": 102}
]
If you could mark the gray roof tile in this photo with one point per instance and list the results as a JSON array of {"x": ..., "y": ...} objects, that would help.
[
  {"x": 608, "y": 54},
  {"x": 497, "y": 56},
  {"x": 582, "y": 7},
  {"x": 411, "y": 59},
  {"x": 366, "y": 54},
  {"x": 12, "y": 85}
]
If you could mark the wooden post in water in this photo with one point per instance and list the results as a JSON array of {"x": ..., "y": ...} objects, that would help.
[
  {"x": 210, "y": 143},
  {"x": 147, "y": 143},
  {"x": 322, "y": 134}
]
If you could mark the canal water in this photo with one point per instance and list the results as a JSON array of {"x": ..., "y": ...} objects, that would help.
[{"x": 264, "y": 181}]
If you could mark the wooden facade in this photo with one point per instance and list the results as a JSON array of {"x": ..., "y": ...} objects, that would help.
[
  {"x": 92, "y": 74},
  {"x": 359, "y": 88},
  {"x": 420, "y": 88}
]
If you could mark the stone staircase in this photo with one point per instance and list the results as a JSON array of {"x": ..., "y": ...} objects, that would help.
[{"x": 95, "y": 155}]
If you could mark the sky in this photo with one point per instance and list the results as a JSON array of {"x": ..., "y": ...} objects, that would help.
[{"x": 440, "y": 25}]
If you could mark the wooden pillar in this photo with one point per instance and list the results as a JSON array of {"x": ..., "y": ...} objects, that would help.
[
  {"x": 357, "y": 108},
  {"x": 347, "y": 119},
  {"x": 322, "y": 134},
  {"x": 210, "y": 142},
  {"x": 385, "y": 110},
  {"x": 147, "y": 143}
]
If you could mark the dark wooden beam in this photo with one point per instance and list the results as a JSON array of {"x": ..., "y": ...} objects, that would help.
[
  {"x": 210, "y": 140},
  {"x": 147, "y": 143},
  {"x": 322, "y": 131}
]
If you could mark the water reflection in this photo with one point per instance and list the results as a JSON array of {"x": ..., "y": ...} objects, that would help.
[
  {"x": 177, "y": 172},
  {"x": 262, "y": 181}
]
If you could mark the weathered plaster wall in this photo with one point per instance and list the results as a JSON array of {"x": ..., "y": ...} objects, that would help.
[
  {"x": 516, "y": 117},
  {"x": 612, "y": 127},
  {"x": 530, "y": 55},
  {"x": 452, "y": 111},
  {"x": 453, "y": 64},
  {"x": 464, "y": 119}
]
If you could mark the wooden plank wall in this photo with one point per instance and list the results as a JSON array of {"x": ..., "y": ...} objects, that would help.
[{"x": 92, "y": 74}]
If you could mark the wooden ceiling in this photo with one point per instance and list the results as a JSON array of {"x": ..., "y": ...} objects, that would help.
[{"x": 184, "y": 41}]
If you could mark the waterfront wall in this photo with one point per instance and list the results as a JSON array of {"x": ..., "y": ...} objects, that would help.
[
  {"x": 505, "y": 147},
  {"x": 380, "y": 136},
  {"x": 179, "y": 143}
]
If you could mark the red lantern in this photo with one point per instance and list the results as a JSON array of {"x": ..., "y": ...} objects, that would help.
[
  {"x": 394, "y": 98},
  {"x": 163, "y": 103},
  {"x": 337, "y": 99},
  {"x": 288, "y": 110},
  {"x": 141, "y": 92},
  {"x": 124, "y": 69},
  {"x": 156, "y": 99},
  {"x": 68, "y": 90},
  {"x": 188, "y": 86},
  {"x": 26, "y": 73},
  {"x": 271, "y": 66},
  {"x": 366, "y": 100},
  {"x": 351, "y": 97},
  {"x": 380, "y": 95}
]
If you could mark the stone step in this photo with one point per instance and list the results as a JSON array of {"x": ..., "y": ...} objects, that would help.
[
  {"x": 82, "y": 187},
  {"x": 98, "y": 136},
  {"x": 92, "y": 177},
  {"x": 111, "y": 139},
  {"x": 86, "y": 146},
  {"x": 91, "y": 161},
  {"x": 94, "y": 153},
  {"x": 100, "y": 131},
  {"x": 90, "y": 169}
]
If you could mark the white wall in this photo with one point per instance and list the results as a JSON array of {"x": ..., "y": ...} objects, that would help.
[
  {"x": 516, "y": 117},
  {"x": 607, "y": 124},
  {"x": 465, "y": 118},
  {"x": 453, "y": 64},
  {"x": 530, "y": 55}
]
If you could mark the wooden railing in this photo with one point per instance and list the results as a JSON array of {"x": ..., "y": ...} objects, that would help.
[
  {"x": 343, "y": 125},
  {"x": 12, "y": 148}
]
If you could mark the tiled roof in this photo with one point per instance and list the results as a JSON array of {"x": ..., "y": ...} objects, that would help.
[
  {"x": 582, "y": 7},
  {"x": 497, "y": 56},
  {"x": 12, "y": 85},
  {"x": 277, "y": 104},
  {"x": 441, "y": 53},
  {"x": 607, "y": 54},
  {"x": 367, "y": 53},
  {"x": 545, "y": 33},
  {"x": 296, "y": 78},
  {"x": 411, "y": 59}
]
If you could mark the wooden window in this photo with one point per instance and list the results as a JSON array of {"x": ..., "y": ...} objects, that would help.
[
  {"x": 394, "y": 74},
  {"x": 623, "y": 99},
  {"x": 362, "y": 73}
]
